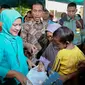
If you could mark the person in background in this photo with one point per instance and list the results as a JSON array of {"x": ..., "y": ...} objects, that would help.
[
  {"x": 71, "y": 23},
  {"x": 51, "y": 51},
  {"x": 79, "y": 22},
  {"x": 81, "y": 75},
  {"x": 4, "y": 6},
  {"x": 13, "y": 62},
  {"x": 50, "y": 29},
  {"x": 25, "y": 18},
  {"x": 28, "y": 17},
  {"x": 69, "y": 56},
  {"x": 47, "y": 16},
  {"x": 47, "y": 19},
  {"x": 63, "y": 18}
]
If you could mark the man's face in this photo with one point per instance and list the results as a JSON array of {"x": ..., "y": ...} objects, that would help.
[
  {"x": 37, "y": 12},
  {"x": 71, "y": 11},
  {"x": 29, "y": 17},
  {"x": 45, "y": 15}
]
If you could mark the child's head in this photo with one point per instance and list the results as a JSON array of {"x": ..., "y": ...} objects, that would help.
[
  {"x": 71, "y": 9},
  {"x": 50, "y": 29},
  {"x": 63, "y": 36}
]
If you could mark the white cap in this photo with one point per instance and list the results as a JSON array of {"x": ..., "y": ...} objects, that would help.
[{"x": 53, "y": 27}]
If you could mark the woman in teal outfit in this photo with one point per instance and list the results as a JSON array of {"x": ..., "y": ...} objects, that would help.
[{"x": 13, "y": 63}]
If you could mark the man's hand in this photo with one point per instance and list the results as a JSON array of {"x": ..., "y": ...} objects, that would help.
[{"x": 32, "y": 49}]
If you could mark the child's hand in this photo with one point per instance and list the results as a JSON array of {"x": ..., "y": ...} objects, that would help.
[{"x": 41, "y": 67}]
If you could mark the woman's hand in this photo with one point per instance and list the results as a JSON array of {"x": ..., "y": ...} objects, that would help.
[{"x": 21, "y": 78}]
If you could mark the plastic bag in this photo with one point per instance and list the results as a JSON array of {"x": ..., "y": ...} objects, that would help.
[
  {"x": 37, "y": 78},
  {"x": 45, "y": 61}
]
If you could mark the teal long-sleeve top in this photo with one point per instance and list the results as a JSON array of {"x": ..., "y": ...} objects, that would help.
[
  {"x": 11, "y": 47},
  {"x": 11, "y": 56}
]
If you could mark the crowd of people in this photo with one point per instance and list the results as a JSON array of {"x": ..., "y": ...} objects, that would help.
[{"x": 26, "y": 43}]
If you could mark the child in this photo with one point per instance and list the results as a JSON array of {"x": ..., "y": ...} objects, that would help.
[{"x": 69, "y": 55}]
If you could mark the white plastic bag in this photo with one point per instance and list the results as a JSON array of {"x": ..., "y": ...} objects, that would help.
[{"x": 37, "y": 78}]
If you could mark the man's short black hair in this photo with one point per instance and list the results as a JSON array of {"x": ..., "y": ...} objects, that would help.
[
  {"x": 64, "y": 34},
  {"x": 38, "y": 3},
  {"x": 72, "y": 4}
]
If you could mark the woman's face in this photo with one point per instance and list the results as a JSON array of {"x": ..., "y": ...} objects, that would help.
[
  {"x": 49, "y": 36},
  {"x": 16, "y": 26}
]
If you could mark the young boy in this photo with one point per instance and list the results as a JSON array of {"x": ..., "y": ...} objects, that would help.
[{"x": 69, "y": 55}]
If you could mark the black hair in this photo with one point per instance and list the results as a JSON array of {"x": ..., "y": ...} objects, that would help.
[
  {"x": 38, "y": 3},
  {"x": 29, "y": 11},
  {"x": 5, "y": 6},
  {"x": 72, "y": 4},
  {"x": 45, "y": 10},
  {"x": 79, "y": 16},
  {"x": 63, "y": 14},
  {"x": 64, "y": 34}
]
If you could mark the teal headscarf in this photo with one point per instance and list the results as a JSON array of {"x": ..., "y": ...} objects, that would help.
[{"x": 8, "y": 16}]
